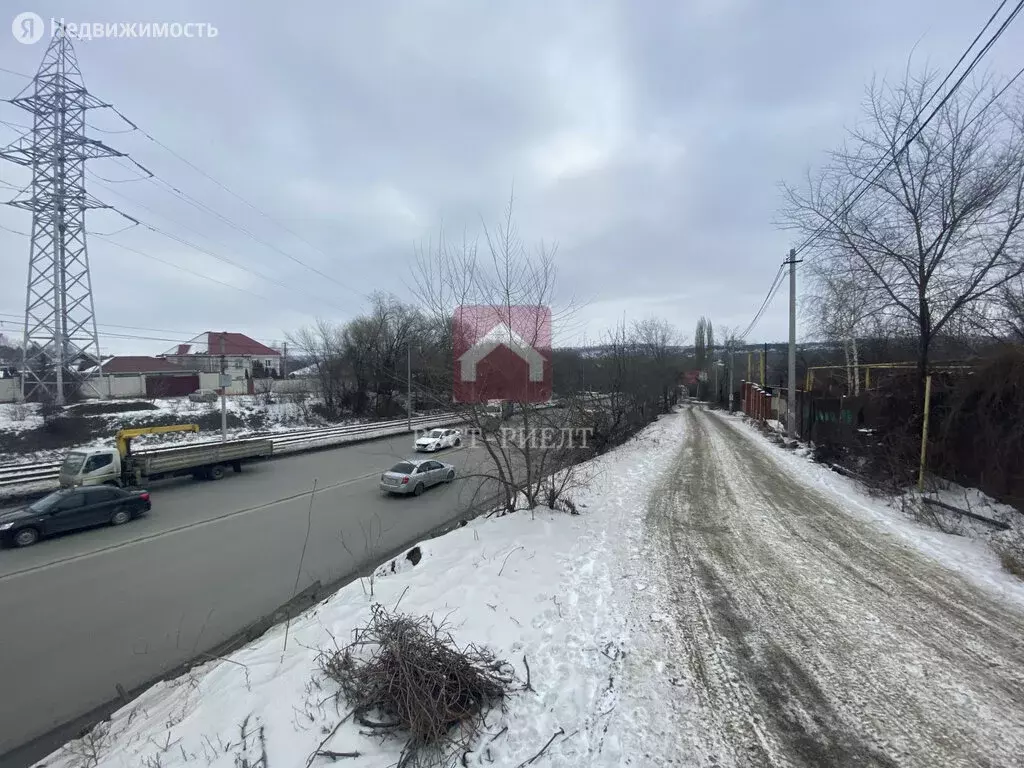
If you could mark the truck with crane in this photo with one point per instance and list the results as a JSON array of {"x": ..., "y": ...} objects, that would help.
[{"x": 121, "y": 467}]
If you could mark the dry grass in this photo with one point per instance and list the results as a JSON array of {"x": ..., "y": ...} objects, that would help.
[
  {"x": 406, "y": 675},
  {"x": 1012, "y": 562}
]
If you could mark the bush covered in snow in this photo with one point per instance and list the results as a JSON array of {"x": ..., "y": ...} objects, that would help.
[{"x": 1009, "y": 545}]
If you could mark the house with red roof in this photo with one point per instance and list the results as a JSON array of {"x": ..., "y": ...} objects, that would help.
[{"x": 242, "y": 356}]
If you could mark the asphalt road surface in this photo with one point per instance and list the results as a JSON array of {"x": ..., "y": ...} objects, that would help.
[
  {"x": 817, "y": 640},
  {"x": 89, "y": 611}
]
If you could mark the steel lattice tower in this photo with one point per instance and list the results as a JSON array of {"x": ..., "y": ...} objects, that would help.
[{"x": 60, "y": 321}]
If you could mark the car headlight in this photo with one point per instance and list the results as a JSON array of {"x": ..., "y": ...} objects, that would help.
[{"x": 6, "y": 526}]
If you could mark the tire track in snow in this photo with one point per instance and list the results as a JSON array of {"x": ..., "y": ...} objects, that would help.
[
  {"x": 933, "y": 605},
  {"x": 816, "y": 641}
]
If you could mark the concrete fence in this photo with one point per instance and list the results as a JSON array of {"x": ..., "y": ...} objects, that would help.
[
  {"x": 115, "y": 387},
  {"x": 287, "y": 386},
  {"x": 10, "y": 390}
]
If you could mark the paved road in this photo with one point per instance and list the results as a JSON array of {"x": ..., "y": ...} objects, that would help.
[
  {"x": 815, "y": 639},
  {"x": 88, "y": 611}
]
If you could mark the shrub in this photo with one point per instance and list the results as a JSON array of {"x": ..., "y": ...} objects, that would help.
[{"x": 1009, "y": 545}]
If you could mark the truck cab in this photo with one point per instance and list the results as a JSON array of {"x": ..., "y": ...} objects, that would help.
[{"x": 91, "y": 466}]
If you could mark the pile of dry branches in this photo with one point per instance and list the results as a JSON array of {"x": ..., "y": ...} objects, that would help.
[{"x": 406, "y": 674}]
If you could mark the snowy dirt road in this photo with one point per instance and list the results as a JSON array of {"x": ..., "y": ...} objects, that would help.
[{"x": 811, "y": 637}]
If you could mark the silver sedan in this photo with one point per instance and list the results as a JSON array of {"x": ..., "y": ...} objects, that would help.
[{"x": 415, "y": 476}]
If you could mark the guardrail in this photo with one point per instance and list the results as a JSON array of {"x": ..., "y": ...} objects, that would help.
[{"x": 284, "y": 443}]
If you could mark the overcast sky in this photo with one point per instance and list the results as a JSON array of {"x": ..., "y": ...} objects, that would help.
[{"x": 645, "y": 138}]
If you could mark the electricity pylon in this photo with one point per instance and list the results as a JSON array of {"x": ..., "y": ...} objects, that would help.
[{"x": 60, "y": 320}]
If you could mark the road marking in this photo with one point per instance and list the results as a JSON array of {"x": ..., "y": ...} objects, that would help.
[{"x": 193, "y": 524}]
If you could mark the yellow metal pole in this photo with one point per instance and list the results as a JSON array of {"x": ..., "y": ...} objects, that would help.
[
  {"x": 867, "y": 377},
  {"x": 924, "y": 430}
]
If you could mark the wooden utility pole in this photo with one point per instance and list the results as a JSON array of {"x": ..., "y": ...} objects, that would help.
[
  {"x": 791, "y": 373},
  {"x": 223, "y": 393},
  {"x": 924, "y": 431}
]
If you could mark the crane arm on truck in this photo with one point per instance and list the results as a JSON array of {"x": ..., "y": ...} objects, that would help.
[{"x": 125, "y": 436}]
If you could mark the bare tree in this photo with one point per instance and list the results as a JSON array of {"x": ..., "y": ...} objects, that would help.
[
  {"x": 656, "y": 339},
  {"x": 322, "y": 343},
  {"x": 627, "y": 373},
  {"x": 731, "y": 346},
  {"x": 377, "y": 346},
  {"x": 362, "y": 363},
  {"x": 264, "y": 387},
  {"x": 1000, "y": 317},
  {"x": 1011, "y": 310},
  {"x": 841, "y": 309},
  {"x": 500, "y": 280},
  {"x": 704, "y": 350},
  {"x": 931, "y": 214}
]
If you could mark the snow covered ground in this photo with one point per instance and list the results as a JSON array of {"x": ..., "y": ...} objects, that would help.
[
  {"x": 540, "y": 587},
  {"x": 277, "y": 417},
  {"x": 18, "y": 417},
  {"x": 656, "y": 624},
  {"x": 962, "y": 545}
]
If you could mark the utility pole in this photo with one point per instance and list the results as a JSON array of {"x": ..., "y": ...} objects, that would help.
[
  {"x": 764, "y": 366},
  {"x": 717, "y": 393},
  {"x": 284, "y": 362},
  {"x": 223, "y": 393},
  {"x": 60, "y": 321},
  {"x": 791, "y": 383},
  {"x": 408, "y": 387},
  {"x": 732, "y": 365}
]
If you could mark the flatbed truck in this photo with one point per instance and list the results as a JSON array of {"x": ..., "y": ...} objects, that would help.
[{"x": 121, "y": 467}]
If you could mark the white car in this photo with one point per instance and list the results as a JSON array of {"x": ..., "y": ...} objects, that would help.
[{"x": 437, "y": 439}]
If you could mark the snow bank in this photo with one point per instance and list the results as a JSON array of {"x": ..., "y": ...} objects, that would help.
[
  {"x": 966, "y": 551},
  {"x": 18, "y": 417},
  {"x": 280, "y": 417},
  {"x": 538, "y": 589}
]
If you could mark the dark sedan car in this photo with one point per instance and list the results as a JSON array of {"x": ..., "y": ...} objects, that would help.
[{"x": 70, "y": 510}]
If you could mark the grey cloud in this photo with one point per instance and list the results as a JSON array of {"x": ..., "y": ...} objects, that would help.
[{"x": 645, "y": 138}]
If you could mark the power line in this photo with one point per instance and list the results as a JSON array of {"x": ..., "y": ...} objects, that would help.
[
  {"x": 115, "y": 325},
  {"x": 226, "y": 260},
  {"x": 16, "y": 126},
  {"x": 12, "y": 72},
  {"x": 772, "y": 290},
  {"x": 14, "y": 231},
  {"x": 108, "y": 130},
  {"x": 865, "y": 185},
  {"x": 177, "y": 338},
  {"x": 179, "y": 267},
  {"x": 212, "y": 254},
  {"x": 907, "y": 141},
  {"x": 202, "y": 206},
  {"x": 251, "y": 205}
]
